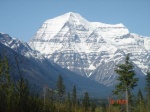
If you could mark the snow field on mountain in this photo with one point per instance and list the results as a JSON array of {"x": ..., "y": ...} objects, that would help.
[{"x": 91, "y": 49}]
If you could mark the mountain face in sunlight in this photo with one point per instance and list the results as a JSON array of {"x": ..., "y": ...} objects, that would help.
[
  {"x": 91, "y": 49},
  {"x": 39, "y": 71}
]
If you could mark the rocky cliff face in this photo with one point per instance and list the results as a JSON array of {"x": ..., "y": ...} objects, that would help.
[
  {"x": 39, "y": 71},
  {"x": 91, "y": 49}
]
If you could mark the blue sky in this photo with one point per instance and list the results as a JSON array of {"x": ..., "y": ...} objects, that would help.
[{"x": 22, "y": 18}]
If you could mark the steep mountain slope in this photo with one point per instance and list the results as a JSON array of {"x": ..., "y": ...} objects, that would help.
[
  {"x": 40, "y": 71},
  {"x": 91, "y": 49}
]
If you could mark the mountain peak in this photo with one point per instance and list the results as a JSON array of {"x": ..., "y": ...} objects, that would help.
[
  {"x": 71, "y": 13},
  {"x": 66, "y": 16},
  {"x": 4, "y": 37},
  {"x": 91, "y": 49},
  {"x": 74, "y": 22}
]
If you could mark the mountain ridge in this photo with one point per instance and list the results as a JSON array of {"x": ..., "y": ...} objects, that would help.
[
  {"x": 82, "y": 47},
  {"x": 39, "y": 71}
]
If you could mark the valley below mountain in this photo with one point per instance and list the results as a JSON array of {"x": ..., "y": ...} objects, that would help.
[
  {"x": 40, "y": 72},
  {"x": 84, "y": 53}
]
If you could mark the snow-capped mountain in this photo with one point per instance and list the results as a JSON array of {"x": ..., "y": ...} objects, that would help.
[
  {"x": 91, "y": 49},
  {"x": 39, "y": 71},
  {"x": 19, "y": 46}
]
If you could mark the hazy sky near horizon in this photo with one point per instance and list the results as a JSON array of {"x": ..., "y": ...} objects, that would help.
[{"x": 22, "y": 18}]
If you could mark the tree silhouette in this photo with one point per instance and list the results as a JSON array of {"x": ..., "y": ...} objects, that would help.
[
  {"x": 60, "y": 87},
  {"x": 126, "y": 79}
]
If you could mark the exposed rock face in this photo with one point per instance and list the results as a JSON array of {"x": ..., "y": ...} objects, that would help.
[
  {"x": 39, "y": 71},
  {"x": 91, "y": 49}
]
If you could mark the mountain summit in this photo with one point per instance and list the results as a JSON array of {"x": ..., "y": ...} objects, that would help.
[
  {"x": 73, "y": 28},
  {"x": 91, "y": 49}
]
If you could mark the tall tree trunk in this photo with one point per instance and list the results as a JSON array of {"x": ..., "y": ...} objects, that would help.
[{"x": 127, "y": 99}]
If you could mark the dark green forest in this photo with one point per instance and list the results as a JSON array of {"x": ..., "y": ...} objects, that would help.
[{"x": 17, "y": 96}]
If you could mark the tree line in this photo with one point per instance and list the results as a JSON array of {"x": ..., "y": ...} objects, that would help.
[
  {"x": 123, "y": 90},
  {"x": 16, "y": 95}
]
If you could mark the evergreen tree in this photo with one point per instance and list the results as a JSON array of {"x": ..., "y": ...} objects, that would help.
[
  {"x": 126, "y": 79},
  {"x": 74, "y": 96},
  {"x": 4, "y": 72},
  {"x": 140, "y": 96},
  {"x": 86, "y": 101},
  {"x": 50, "y": 95},
  {"x": 68, "y": 103},
  {"x": 148, "y": 90},
  {"x": 140, "y": 101},
  {"x": 15, "y": 96},
  {"x": 60, "y": 87},
  {"x": 6, "y": 86},
  {"x": 2, "y": 86},
  {"x": 23, "y": 94},
  {"x": 10, "y": 88}
]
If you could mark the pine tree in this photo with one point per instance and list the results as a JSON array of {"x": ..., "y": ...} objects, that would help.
[
  {"x": 140, "y": 101},
  {"x": 126, "y": 79},
  {"x": 9, "y": 86},
  {"x": 23, "y": 94},
  {"x": 74, "y": 96},
  {"x": 68, "y": 101},
  {"x": 22, "y": 90},
  {"x": 86, "y": 101},
  {"x": 148, "y": 90},
  {"x": 3, "y": 87},
  {"x": 140, "y": 96},
  {"x": 60, "y": 87},
  {"x": 50, "y": 95},
  {"x": 6, "y": 86}
]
